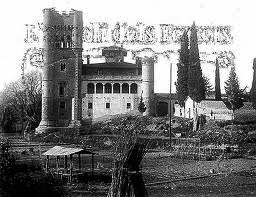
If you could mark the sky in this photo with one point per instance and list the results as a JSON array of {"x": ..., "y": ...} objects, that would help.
[{"x": 239, "y": 14}]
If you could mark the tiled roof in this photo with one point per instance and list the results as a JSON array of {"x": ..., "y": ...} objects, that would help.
[
  {"x": 114, "y": 47},
  {"x": 59, "y": 151},
  {"x": 111, "y": 65},
  {"x": 213, "y": 104}
]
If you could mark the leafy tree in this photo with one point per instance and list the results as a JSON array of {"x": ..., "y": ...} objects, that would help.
[
  {"x": 182, "y": 73},
  {"x": 8, "y": 119},
  {"x": 208, "y": 85},
  {"x": 141, "y": 107},
  {"x": 22, "y": 98},
  {"x": 253, "y": 88},
  {"x": 196, "y": 87},
  {"x": 233, "y": 91},
  {"x": 217, "y": 81}
]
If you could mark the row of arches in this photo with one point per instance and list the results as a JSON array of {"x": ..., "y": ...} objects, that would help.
[
  {"x": 108, "y": 88},
  {"x": 63, "y": 42}
]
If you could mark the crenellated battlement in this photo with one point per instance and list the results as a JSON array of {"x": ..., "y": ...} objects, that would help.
[{"x": 62, "y": 13}]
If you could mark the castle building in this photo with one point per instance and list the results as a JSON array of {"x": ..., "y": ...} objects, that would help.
[{"x": 74, "y": 91}]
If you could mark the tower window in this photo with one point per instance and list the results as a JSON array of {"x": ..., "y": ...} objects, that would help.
[
  {"x": 128, "y": 106},
  {"x": 57, "y": 42},
  {"x": 69, "y": 42},
  {"x": 62, "y": 105},
  {"x": 61, "y": 91},
  {"x": 89, "y": 105},
  {"x": 62, "y": 67},
  {"x": 107, "y": 105}
]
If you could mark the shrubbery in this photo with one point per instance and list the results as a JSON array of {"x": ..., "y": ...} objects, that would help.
[{"x": 26, "y": 178}]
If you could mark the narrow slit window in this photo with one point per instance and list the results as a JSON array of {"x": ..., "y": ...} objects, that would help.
[
  {"x": 62, "y": 91},
  {"x": 62, "y": 105}
]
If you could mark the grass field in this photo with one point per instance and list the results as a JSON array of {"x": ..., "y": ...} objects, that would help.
[{"x": 181, "y": 177}]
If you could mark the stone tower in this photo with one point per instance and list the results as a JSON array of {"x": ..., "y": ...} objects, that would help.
[
  {"x": 147, "y": 84},
  {"x": 61, "y": 79}
]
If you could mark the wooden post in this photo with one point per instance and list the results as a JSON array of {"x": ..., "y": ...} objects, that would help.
[
  {"x": 40, "y": 151},
  {"x": 66, "y": 162},
  {"x": 57, "y": 166},
  {"x": 47, "y": 163},
  {"x": 79, "y": 161},
  {"x": 71, "y": 169},
  {"x": 170, "y": 131},
  {"x": 92, "y": 164},
  {"x": 57, "y": 163}
]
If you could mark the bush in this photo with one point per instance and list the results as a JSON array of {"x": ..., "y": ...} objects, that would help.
[{"x": 26, "y": 178}]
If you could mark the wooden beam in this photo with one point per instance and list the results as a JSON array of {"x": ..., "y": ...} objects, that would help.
[
  {"x": 57, "y": 163},
  {"x": 92, "y": 170},
  {"x": 66, "y": 162},
  {"x": 79, "y": 161},
  {"x": 47, "y": 163}
]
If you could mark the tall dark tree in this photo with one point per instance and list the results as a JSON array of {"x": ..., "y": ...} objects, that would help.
[
  {"x": 217, "y": 81},
  {"x": 233, "y": 91},
  {"x": 182, "y": 73},
  {"x": 208, "y": 85},
  {"x": 196, "y": 87},
  {"x": 141, "y": 107},
  {"x": 253, "y": 89}
]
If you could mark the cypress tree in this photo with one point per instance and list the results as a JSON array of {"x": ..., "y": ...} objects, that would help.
[
  {"x": 141, "y": 107},
  {"x": 253, "y": 89},
  {"x": 233, "y": 91},
  {"x": 182, "y": 72},
  {"x": 196, "y": 87},
  {"x": 217, "y": 81},
  {"x": 208, "y": 85}
]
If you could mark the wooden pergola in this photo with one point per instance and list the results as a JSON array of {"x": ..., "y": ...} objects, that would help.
[{"x": 67, "y": 170}]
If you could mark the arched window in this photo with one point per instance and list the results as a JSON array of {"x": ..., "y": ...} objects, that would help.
[
  {"x": 116, "y": 88},
  {"x": 63, "y": 43},
  {"x": 162, "y": 108},
  {"x": 125, "y": 88},
  {"x": 134, "y": 88},
  {"x": 62, "y": 66},
  {"x": 90, "y": 88},
  {"x": 69, "y": 42},
  {"x": 61, "y": 90},
  {"x": 108, "y": 88},
  {"x": 57, "y": 42},
  {"x": 99, "y": 88}
]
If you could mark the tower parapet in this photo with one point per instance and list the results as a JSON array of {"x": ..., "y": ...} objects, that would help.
[{"x": 147, "y": 85}]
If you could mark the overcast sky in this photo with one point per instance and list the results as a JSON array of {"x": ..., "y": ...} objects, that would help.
[{"x": 239, "y": 14}]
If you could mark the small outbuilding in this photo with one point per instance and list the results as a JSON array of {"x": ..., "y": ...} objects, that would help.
[
  {"x": 212, "y": 109},
  {"x": 67, "y": 169}
]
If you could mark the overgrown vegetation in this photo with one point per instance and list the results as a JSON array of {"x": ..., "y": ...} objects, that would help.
[
  {"x": 129, "y": 151},
  {"x": 102, "y": 134},
  {"x": 20, "y": 104},
  {"x": 25, "y": 178}
]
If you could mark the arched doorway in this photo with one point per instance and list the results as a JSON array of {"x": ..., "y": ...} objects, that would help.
[{"x": 162, "y": 108}]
